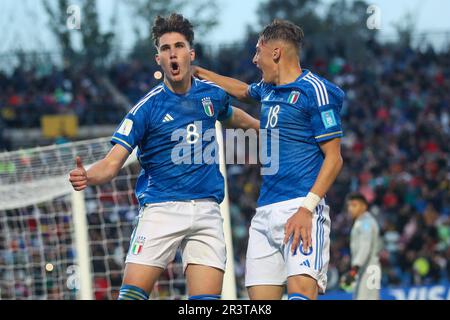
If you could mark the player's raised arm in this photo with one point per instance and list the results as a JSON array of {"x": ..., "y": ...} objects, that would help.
[
  {"x": 101, "y": 172},
  {"x": 232, "y": 86}
]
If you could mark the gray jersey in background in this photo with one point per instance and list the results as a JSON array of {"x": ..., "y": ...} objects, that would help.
[{"x": 365, "y": 244}]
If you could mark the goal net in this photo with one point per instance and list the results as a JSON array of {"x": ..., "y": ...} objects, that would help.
[{"x": 59, "y": 244}]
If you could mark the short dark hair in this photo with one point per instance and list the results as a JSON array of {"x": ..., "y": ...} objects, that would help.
[
  {"x": 283, "y": 30},
  {"x": 173, "y": 23},
  {"x": 358, "y": 196}
]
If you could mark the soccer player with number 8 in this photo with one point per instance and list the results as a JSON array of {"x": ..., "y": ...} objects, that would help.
[{"x": 179, "y": 202}]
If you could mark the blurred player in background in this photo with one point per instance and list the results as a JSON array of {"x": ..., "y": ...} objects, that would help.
[
  {"x": 289, "y": 234},
  {"x": 179, "y": 203},
  {"x": 365, "y": 274}
]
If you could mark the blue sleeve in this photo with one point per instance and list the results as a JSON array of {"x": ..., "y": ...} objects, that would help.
[
  {"x": 132, "y": 129},
  {"x": 226, "y": 110},
  {"x": 255, "y": 90},
  {"x": 324, "y": 109}
]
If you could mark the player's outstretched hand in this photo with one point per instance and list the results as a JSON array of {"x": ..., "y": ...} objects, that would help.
[
  {"x": 78, "y": 176},
  {"x": 299, "y": 226}
]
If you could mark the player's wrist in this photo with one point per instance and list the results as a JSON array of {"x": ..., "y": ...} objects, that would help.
[
  {"x": 311, "y": 201},
  {"x": 354, "y": 271},
  {"x": 88, "y": 178}
]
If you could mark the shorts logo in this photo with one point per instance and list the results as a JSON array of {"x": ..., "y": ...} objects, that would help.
[
  {"x": 138, "y": 245},
  {"x": 208, "y": 106},
  {"x": 306, "y": 264},
  {"x": 328, "y": 119}
]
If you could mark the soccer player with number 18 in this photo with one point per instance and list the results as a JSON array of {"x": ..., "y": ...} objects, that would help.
[
  {"x": 289, "y": 234},
  {"x": 179, "y": 202}
]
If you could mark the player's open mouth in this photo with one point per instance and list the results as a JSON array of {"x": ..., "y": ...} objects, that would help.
[{"x": 174, "y": 68}]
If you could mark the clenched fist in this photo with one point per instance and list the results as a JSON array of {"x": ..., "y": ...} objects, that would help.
[{"x": 78, "y": 176}]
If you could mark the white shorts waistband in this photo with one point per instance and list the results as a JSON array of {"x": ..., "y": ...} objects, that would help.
[{"x": 289, "y": 202}]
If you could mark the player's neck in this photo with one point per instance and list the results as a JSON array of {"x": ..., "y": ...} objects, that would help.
[
  {"x": 288, "y": 73},
  {"x": 179, "y": 87},
  {"x": 360, "y": 215}
]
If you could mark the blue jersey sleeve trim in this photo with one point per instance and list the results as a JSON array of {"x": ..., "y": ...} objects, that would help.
[
  {"x": 248, "y": 91},
  {"x": 329, "y": 136},
  {"x": 123, "y": 143},
  {"x": 253, "y": 92},
  {"x": 227, "y": 116}
]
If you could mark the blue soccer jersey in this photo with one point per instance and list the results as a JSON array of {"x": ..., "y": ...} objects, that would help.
[
  {"x": 304, "y": 113},
  {"x": 173, "y": 133}
]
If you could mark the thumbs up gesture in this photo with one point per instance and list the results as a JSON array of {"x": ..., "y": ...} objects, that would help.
[{"x": 78, "y": 176}]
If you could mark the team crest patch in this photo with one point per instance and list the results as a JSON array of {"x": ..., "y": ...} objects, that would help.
[
  {"x": 208, "y": 106},
  {"x": 328, "y": 119},
  {"x": 138, "y": 245},
  {"x": 293, "y": 97}
]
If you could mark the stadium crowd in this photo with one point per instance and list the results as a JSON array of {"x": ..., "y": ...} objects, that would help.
[
  {"x": 26, "y": 95},
  {"x": 396, "y": 121}
]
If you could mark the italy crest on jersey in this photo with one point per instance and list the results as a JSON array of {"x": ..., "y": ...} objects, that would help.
[
  {"x": 138, "y": 245},
  {"x": 293, "y": 97},
  {"x": 208, "y": 106}
]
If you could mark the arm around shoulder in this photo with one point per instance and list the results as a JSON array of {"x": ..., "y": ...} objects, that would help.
[{"x": 232, "y": 86}]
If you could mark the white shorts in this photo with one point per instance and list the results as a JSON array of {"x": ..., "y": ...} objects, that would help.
[
  {"x": 195, "y": 226},
  {"x": 270, "y": 262}
]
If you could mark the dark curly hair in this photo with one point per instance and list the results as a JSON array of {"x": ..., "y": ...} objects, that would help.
[
  {"x": 283, "y": 30},
  {"x": 358, "y": 196},
  {"x": 173, "y": 23}
]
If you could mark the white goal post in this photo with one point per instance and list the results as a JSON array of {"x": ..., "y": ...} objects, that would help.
[{"x": 56, "y": 243}]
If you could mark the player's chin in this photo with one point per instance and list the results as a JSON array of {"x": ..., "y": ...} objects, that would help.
[{"x": 178, "y": 77}]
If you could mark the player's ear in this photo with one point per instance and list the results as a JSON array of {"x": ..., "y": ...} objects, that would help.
[
  {"x": 192, "y": 54},
  {"x": 158, "y": 59},
  {"x": 276, "y": 54}
]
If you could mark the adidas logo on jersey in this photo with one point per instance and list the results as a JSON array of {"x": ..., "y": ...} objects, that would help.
[{"x": 167, "y": 118}]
